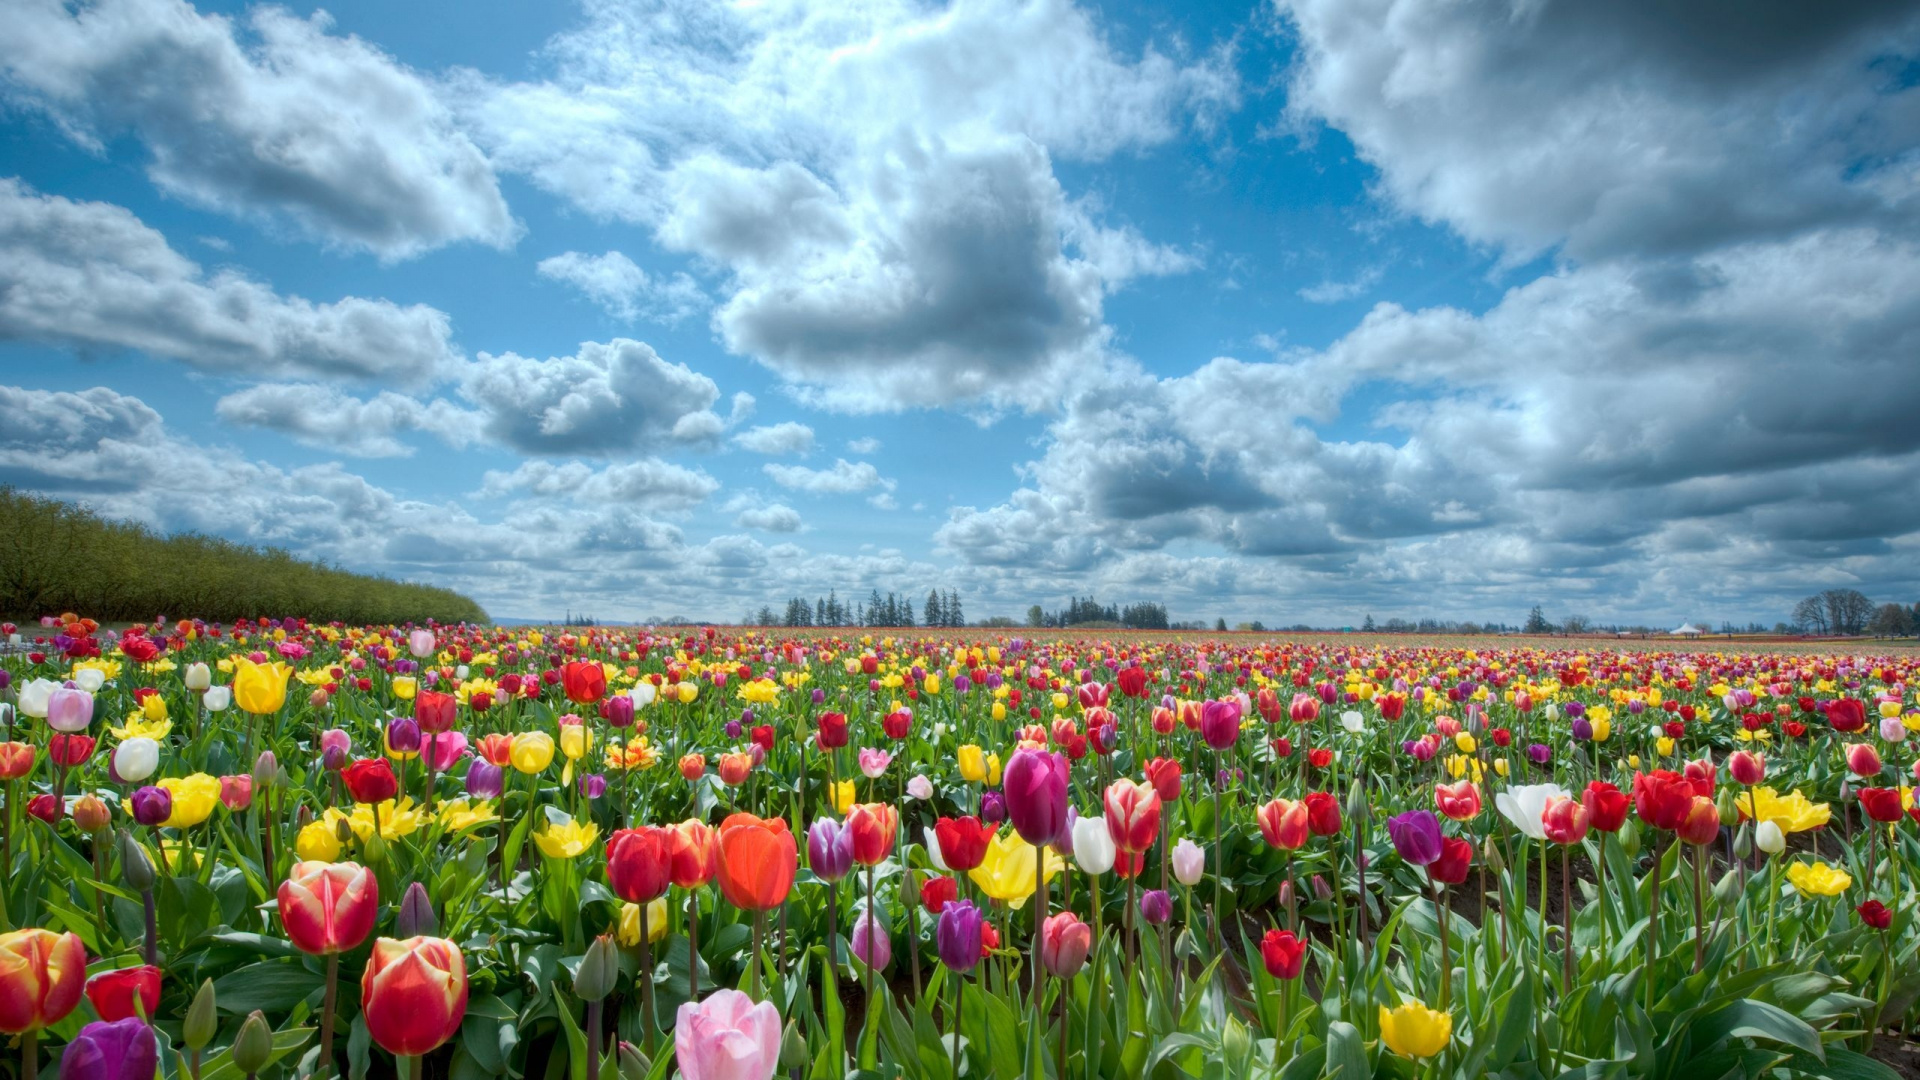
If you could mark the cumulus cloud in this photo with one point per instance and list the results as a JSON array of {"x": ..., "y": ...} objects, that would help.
[
  {"x": 623, "y": 289},
  {"x": 325, "y": 417},
  {"x": 1618, "y": 128},
  {"x": 866, "y": 444},
  {"x": 875, "y": 184},
  {"x": 605, "y": 398},
  {"x": 844, "y": 478},
  {"x": 649, "y": 483},
  {"x": 91, "y": 275},
  {"x": 786, "y": 437},
  {"x": 776, "y": 518},
  {"x": 326, "y": 131}
]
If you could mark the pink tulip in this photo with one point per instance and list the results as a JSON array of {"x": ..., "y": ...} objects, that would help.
[
  {"x": 446, "y": 749},
  {"x": 727, "y": 1037}
]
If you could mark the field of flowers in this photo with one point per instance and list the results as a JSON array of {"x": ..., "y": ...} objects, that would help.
[{"x": 289, "y": 849}]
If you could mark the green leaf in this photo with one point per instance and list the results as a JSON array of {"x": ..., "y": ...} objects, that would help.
[
  {"x": 221, "y": 1067},
  {"x": 1752, "y": 1019},
  {"x": 1841, "y": 1064},
  {"x": 1346, "y": 1052},
  {"x": 270, "y": 986}
]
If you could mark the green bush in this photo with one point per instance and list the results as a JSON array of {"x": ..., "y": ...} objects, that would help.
[{"x": 55, "y": 557}]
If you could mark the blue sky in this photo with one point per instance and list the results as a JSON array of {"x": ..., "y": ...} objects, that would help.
[{"x": 1292, "y": 311}]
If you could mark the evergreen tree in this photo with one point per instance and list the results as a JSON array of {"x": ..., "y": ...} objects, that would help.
[
  {"x": 1537, "y": 622},
  {"x": 932, "y": 615}
]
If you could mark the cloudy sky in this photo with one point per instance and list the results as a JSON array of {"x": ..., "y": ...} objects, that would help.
[{"x": 1292, "y": 311}]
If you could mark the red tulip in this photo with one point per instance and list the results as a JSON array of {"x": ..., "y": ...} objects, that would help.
[
  {"x": 70, "y": 750},
  {"x": 833, "y": 730},
  {"x": 1132, "y": 681},
  {"x": 1283, "y": 823},
  {"x": 1283, "y": 954},
  {"x": 114, "y": 993},
  {"x": 328, "y": 907},
  {"x": 758, "y": 858},
  {"x": 16, "y": 760},
  {"x": 937, "y": 892},
  {"x": 1456, "y": 856},
  {"x": 1703, "y": 776},
  {"x": 1565, "y": 820},
  {"x": 1847, "y": 714},
  {"x": 1746, "y": 767},
  {"x": 963, "y": 841},
  {"x": 434, "y": 711},
  {"x": 1662, "y": 798},
  {"x": 1881, "y": 804},
  {"x": 1164, "y": 775},
  {"x": 1875, "y": 914},
  {"x": 414, "y": 993},
  {"x": 1863, "y": 761},
  {"x": 693, "y": 851},
  {"x": 370, "y": 781},
  {"x": 1606, "y": 806},
  {"x": 639, "y": 863},
  {"x": 1702, "y": 823},
  {"x": 1323, "y": 813},
  {"x": 1460, "y": 801},
  {"x": 584, "y": 681},
  {"x": 1133, "y": 814},
  {"x": 873, "y": 827},
  {"x": 41, "y": 976}
]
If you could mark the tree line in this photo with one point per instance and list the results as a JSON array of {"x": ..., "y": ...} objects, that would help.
[
  {"x": 1083, "y": 611},
  {"x": 1849, "y": 612},
  {"x": 56, "y": 556},
  {"x": 940, "y": 610}
]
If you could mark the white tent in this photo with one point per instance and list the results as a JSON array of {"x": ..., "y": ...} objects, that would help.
[{"x": 1687, "y": 630}]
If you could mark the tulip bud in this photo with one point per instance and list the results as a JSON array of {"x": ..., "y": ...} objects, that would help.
[
  {"x": 203, "y": 1019},
  {"x": 266, "y": 770},
  {"x": 375, "y": 849},
  {"x": 793, "y": 1047},
  {"x": 1356, "y": 799},
  {"x": 1630, "y": 839},
  {"x": 252, "y": 1048},
  {"x": 598, "y": 972},
  {"x": 1743, "y": 842},
  {"x": 318, "y": 699},
  {"x": 134, "y": 864},
  {"x": 89, "y": 814},
  {"x": 634, "y": 1065},
  {"x": 1769, "y": 838},
  {"x": 1729, "y": 813},
  {"x": 1490, "y": 855},
  {"x": 416, "y": 917},
  {"x": 1727, "y": 889}
]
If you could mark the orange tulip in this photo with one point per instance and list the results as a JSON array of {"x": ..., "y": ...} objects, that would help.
[
  {"x": 1460, "y": 801},
  {"x": 1283, "y": 823},
  {"x": 757, "y": 862},
  {"x": 694, "y": 851},
  {"x": 41, "y": 976},
  {"x": 873, "y": 827}
]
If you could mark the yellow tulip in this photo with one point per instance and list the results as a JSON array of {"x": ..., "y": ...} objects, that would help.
[
  {"x": 1465, "y": 743},
  {"x": 999, "y": 710},
  {"x": 532, "y": 751},
  {"x": 260, "y": 688},
  {"x": 1059, "y": 701},
  {"x": 1415, "y": 1031},
  {"x": 154, "y": 709},
  {"x": 628, "y": 933},
  {"x": 138, "y": 726},
  {"x": 843, "y": 796},
  {"x": 687, "y": 691},
  {"x": 194, "y": 798},
  {"x": 1793, "y": 812},
  {"x": 459, "y": 814},
  {"x": 1818, "y": 879},
  {"x": 1663, "y": 746},
  {"x": 397, "y": 819},
  {"x": 931, "y": 685},
  {"x": 1602, "y": 727},
  {"x": 1500, "y": 766},
  {"x": 973, "y": 764},
  {"x": 1005, "y": 873},
  {"x": 575, "y": 740},
  {"x": 404, "y": 687},
  {"x": 993, "y": 770},
  {"x": 317, "y": 842},
  {"x": 567, "y": 839}
]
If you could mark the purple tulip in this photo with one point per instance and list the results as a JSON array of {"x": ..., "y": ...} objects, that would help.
[
  {"x": 829, "y": 849},
  {"x": 592, "y": 785},
  {"x": 122, "y": 1050},
  {"x": 1156, "y": 906},
  {"x": 1416, "y": 836},
  {"x": 871, "y": 943},
  {"x": 962, "y": 684},
  {"x": 1581, "y": 730},
  {"x": 1575, "y": 710},
  {"x": 152, "y": 805},
  {"x": 958, "y": 935},
  {"x": 819, "y": 696},
  {"x": 1035, "y": 786},
  {"x": 1539, "y": 753},
  {"x": 620, "y": 711},
  {"x": 993, "y": 807},
  {"x": 403, "y": 735},
  {"x": 732, "y": 729},
  {"x": 334, "y": 758},
  {"x": 1220, "y": 723},
  {"x": 485, "y": 780}
]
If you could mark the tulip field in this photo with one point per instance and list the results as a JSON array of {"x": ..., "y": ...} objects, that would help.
[{"x": 289, "y": 849}]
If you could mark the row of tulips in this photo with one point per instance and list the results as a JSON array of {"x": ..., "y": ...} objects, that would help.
[{"x": 628, "y": 852}]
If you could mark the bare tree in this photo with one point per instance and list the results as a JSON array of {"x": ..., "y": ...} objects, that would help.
[
  {"x": 1847, "y": 610},
  {"x": 1810, "y": 616}
]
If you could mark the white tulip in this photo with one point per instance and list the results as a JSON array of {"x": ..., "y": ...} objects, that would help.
[
  {"x": 198, "y": 676},
  {"x": 1093, "y": 846},
  {"x": 136, "y": 758},
  {"x": 643, "y": 693},
  {"x": 1353, "y": 721},
  {"x": 934, "y": 854},
  {"x": 920, "y": 788},
  {"x": 218, "y": 698},
  {"x": 34, "y": 695},
  {"x": 1189, "y": 862},
  {"x": 1526, "y": 807},
  {"x": 90, "y": 679},
  {"x": 1769, "y": 838}
]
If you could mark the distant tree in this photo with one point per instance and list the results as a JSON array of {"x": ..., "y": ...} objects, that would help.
[
  {"x": 1368, "y": 626},
  {"x": 1810, "y": 616},
  {"x": 1036, "y": 616},
  {"x": 955, "y": 617},
  {"x": 1258, "y": 627},
  {"x": 1576, "y": 624},
  {"x": 1890, "y": 620},
  {"x": 1220, "y": 624},
  {"x": 1847, "y": 610},
  {"x": 1537, "y": 622}
]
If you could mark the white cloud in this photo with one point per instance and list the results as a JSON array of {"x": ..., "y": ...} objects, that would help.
[
  {"x": 844, "y": 478},
  {"x": 1334, "y": 292},
  {"x": 90, "y": 275},
  {"x": 649, "y": 483},
  {"x": 620, "y": 286},
  {"x": 323, "y": 416},
  {"x": 604, "y": 399},
  {"x": 866, "y": 444},
  {"x": 876, "y": 182},
  {"x": 776, "y": 518},
  {"x": 327, "y": 131},
  {"x": 786, "y": 437},
  {"x": 1635, "y": 126}
]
